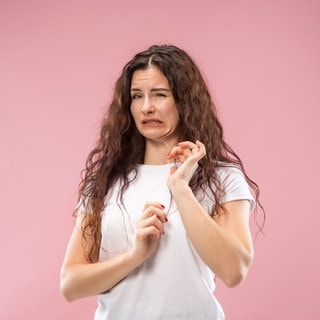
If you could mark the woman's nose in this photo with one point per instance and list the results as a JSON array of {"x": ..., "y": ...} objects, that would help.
[{"x": 147, "y": 106}]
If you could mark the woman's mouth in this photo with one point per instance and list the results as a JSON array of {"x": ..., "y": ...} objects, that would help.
[{"x": 151, "y": 121}]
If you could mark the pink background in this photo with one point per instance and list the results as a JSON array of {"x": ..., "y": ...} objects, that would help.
[{"x": 58, "y": 63}]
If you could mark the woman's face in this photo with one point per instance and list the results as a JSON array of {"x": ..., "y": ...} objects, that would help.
[{"x": 152, "y": 105}]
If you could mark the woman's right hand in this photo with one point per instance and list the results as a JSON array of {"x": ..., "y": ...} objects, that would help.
[
  {"x": 149, "y": 229},
  {"x": 81, "y": 278}
]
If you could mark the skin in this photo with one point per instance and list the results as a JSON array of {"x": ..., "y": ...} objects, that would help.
[
  {"x": 155, "y": 113},
  {"x": 224, "y": 243}
]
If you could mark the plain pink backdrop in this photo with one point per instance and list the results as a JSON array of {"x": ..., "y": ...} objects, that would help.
[{"x": 58, "y": 63}]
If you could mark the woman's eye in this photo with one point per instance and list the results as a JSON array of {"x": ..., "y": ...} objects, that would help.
[
  {"x": 136, "y": 96},
  {"x": 160, "y": 95}
]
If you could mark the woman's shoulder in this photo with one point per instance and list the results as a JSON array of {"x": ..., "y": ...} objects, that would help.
[
  {"x": 231, "y": 176},
  {"x": 224, "y": 169}
]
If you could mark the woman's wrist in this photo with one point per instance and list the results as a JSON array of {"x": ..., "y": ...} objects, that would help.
[
  {"x": 178, "y": 186},
  {"x": 134, "y": 259}
]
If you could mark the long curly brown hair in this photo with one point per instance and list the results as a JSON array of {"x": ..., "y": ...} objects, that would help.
[{"x": 121, "y": 147}]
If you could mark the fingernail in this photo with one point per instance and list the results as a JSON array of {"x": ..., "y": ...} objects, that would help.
[{"x": 162, "y": 206}]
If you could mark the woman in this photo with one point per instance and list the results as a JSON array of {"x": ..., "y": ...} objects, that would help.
[{"x": 164, "y": 203}]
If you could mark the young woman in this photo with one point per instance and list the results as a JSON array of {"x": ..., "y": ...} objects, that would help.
[{"x": 164, "y": 202}]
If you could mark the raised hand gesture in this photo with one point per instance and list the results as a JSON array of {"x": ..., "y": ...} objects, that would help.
[{"x": 188, "y": 154}]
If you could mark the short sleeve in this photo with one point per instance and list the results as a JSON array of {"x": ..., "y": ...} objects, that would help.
[{"x": 235, "y": 185}]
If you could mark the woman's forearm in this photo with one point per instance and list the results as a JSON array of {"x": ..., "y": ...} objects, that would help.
[
  {"x": 81, "y": 280},
  {"x": 223, "y": 252}
]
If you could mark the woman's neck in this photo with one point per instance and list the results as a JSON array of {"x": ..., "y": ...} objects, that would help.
[{"x": 156, "y": 153}]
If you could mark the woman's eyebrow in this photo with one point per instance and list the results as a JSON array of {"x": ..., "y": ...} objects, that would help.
[
  {"x": 160, "y": 89},
  {"x": 152, "y": 90},
  {"x": 135, "y": 89}
]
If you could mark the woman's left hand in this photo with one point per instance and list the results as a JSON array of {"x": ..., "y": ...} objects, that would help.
[{"x": 188, "y": 154}]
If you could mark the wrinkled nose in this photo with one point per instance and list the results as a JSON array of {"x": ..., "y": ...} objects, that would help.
[{"x": 147, "y": 107}]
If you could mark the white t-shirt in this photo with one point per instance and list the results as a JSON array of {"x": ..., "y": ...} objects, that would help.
[{"x": 174, "y": 283}]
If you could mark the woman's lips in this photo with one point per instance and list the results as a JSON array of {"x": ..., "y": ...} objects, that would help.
[{"x": 151, "y": 122}]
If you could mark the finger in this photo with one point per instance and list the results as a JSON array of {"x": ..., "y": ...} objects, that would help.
[
  {"x": 185, "y": 149},
  {"x": 202, "y": 148},
  {"x": 143, "y": 233},
  {"x": 188, "y": 145},
  {"x": 153, "y": 221},
  {"x": 155, "y": 204},
  {"x": 174, "y": 152},
  {"x": 197, "y": 148},
  {"x": 152, "y": 211},
  {"x": 179, "y": 155}
]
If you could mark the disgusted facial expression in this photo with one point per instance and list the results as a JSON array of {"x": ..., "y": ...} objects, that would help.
[{"x": 153, "y": 106}]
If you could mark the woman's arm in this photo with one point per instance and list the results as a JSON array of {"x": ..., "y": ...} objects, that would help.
[
  {"x": 224, "y": 243},
  {"x": 80, "y": 278}
]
